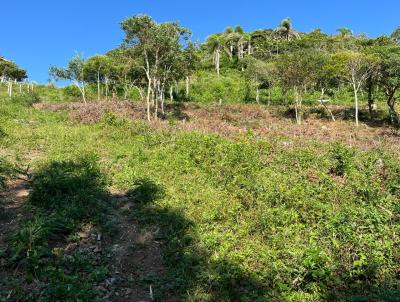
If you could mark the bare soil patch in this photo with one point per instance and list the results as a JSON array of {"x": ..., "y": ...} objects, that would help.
[{"x": 235, "y": 119}]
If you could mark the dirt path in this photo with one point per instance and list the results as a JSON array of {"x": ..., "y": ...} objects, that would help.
[
  {"x": 137, "y": 258},
  {"x": 134, "y": 258},
  {"x": 12, "y": 201}
]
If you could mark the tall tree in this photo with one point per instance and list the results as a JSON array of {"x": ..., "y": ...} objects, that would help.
[
  {"x": 10, "y": 72},
  {"x": 296, "y": 71},
  {"x": 214, "y": 44},
  {"x": 190, "y": 60},
  {"x": 345, "y": 32},
  {"x": 159, "y": 46},
  {"x": 96, "y": 70},
  {"x": 390, "y": 78},
  {"x": 74, "y": 72},
  {"x": 396, "y": 35},
  {"x": 355, "y": 69},
  {"x": 261, "y": 73},
  {"x": 286, "y": 31}
]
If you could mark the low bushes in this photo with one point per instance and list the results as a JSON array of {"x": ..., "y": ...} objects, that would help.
[{"x": 207, "y": 87}]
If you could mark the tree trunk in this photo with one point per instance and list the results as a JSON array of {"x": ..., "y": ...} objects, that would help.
[
  {"x": 156, "y": 98},
  {"x": 394, "y": 117},
  {"x": 148, "y": 100},
  {"x": 98, "y": 85},
  {"x": 356, "y": 103},
  {"x": 82, "y": 90},
  {"x": 171, "y": 93},
  {"x": 84, "y": 94},
  {"x": 106, "y": 82},
  {"x": 325, "y": 106},
  {"x": 217, "y": 58},
  {"x": 187, "y": 86},
  {"x": 10, "y": 88},
  {"x": 162, "y": 103},
  {"x": 297, "y": 106},
  {"x": 370, "y": 99},
  {"x": 269, "y": 95},
  {"x": 154, "y": 92},
  {"x": 258, "y": 95}
]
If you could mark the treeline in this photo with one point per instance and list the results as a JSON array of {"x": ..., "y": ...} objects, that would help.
[
  {"x": 159, "y": 61},
  {"x": 11, "y": 73}
]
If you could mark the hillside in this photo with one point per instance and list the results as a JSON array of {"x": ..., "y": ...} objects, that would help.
[{"x": 211, "y": 203}]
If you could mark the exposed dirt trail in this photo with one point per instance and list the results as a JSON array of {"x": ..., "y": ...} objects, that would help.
[
  {"x": 136, "y": 257},
  {"x": 12, "y": 201}
]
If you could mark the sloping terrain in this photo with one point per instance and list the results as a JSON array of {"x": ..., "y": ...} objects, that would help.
[{"x": 225, "y": 203}]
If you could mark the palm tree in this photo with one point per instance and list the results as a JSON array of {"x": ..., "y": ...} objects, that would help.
[
  {"x": 237, "y": 39},
  {"x": 230, "y": 41},
  {"x": 240, "y": 41},
  {"x": 286, "y": 31},
  {"x": 344, "y": 32},
  {"x": 214, "y": 44}
]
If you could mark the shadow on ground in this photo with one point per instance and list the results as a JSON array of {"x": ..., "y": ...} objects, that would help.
[
  {"x": 191, "y": 275},
  {"x": 177, "y": 111},
  {"x": 154, "y": 257}
]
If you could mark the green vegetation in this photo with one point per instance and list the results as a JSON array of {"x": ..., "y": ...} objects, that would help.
[
  {"x": 65, "y": 194},
  {"x": 158, "y": 60},
  {"x": 242, "y": 220},
  {"x": 244, "y": 203}
]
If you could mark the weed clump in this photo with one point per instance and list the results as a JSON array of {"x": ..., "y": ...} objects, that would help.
[
  {"x": 146, "y": 191},
  {"x": 27, "y": 98}
]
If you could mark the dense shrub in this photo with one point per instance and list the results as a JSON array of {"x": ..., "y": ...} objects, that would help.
[
  {"x": 71, "y": 91},
  {"x": 26, "y": 98},
  {"x": 134, "y": 94},
  {"x": 207, "y": 87}
]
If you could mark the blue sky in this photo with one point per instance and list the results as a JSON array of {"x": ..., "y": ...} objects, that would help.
[{"x": 40, "y": 33}]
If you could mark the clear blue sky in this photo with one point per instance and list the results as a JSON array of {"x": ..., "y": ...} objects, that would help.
[{"x": 40, "y": 33}]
